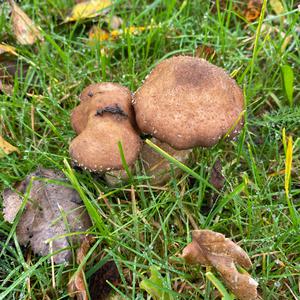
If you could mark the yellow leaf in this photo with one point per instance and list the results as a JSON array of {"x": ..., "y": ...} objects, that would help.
[
  {"x": 7, "y": 49},
  {"x": 6, "y": 147},
  {"x": 98, "y": 34},
  {"x": 277, "y": 6},
  {"x": 88, "y": 9},
  {"x": 24, "y": 29},
  {"x": 288, "y": 165}
]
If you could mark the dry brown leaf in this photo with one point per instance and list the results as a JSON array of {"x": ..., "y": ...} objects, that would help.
[
  {"x": 76, "y": 285},
  {"x": 88, "y": 9},
  {"x": 24, "y": 29},
  {"x": 6, "y": 88},
  {"x": 205, "y": 52},
  {"x": 115, "y": 22},
  {"x": 99, "y": 288},
  {"x": 216, "y": 177},
  {"x": 211, "y": 248},
  {"x": 253, "y": 10},
  {"x": 7, "y": 49},
  {"x": 6, "y": 147},
  {"x": 52, "y": 211}
]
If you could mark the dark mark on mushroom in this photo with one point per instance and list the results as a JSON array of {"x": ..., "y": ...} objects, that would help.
[{"x": 115, "y": 110}]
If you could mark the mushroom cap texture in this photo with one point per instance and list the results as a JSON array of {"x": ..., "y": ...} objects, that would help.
[
  {"x": 188, "y": 102},
  {"x": 98, "y": 96},
  {"x": 96, "y": 148},
  {"x": 99, "y": 88}
]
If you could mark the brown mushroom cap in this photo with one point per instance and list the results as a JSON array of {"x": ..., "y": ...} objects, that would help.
[
  {"x": 96, "y": 148},
  {"x": 188, "y": 102},
  {"x": 99, "y": 88},
  {"x": 104, "y": 95}
]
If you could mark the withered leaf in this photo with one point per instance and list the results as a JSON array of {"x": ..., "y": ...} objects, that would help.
[
  {"x": 7, "y": 49},
  {"x": 211, "y": 248},
  {"x": 205, "y": 52},
  {"x": 99, "y": 287},
  {"x": 216, "y": 177},
  {"x": 24, "y": 29},
  {"x": 252, "y": 12},
  {"x": 6, "y": 147},
  {"x": 52, "y": 211},
  {"x": 88, "y": 9},
  {"x": 97, "y": 34},
  {"x": 76, "y": 285}
]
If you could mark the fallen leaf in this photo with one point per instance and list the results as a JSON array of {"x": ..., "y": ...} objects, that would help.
[
  {"x": 7, "y": 49},
  {"x": 252, "y": 12},
  {"x": 114, "y": 22},
  {"x": 6, "y": 89},
  {"x": 205, "y": 52},
  {"x": 99, "y": 287},
  {"x": 277, "y": 6},
  {"x": 52, "y": 211},
  {"x": 6, "y": 148},
  {"x": 98, "y": 34},
  {"x": 76, "y": 285},
  {"x": 88, "y": 9},
  {"x": 24, "y": 29},
  {"x": 216, "y": 177},
  {"x": 211, "y": 248},
  {"x": 156, "y": 286}
]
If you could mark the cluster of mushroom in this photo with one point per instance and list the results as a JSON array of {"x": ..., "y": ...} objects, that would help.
[{"x": 183, "y": 103}]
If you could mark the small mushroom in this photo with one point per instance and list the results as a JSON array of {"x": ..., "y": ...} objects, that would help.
[
  {"x": 102, "y": 122},
  {"x": 155, "y": 166},
  {"x": 188, "y": 102},
  {"x": 101, "y": 96},
  {"x": 158, "y": 167}
]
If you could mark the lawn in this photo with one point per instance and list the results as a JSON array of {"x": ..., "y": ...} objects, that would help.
[{"x": 259, "y": 204}]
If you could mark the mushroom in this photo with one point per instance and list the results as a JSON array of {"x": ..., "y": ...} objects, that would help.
[
  {"x": 188, "y": 102},
  {"x": 99, "y": 96},
  {"x": 158, "y": 167},
  {"x": 101, "y": 122},
  {"x": 155, "y": 166}
]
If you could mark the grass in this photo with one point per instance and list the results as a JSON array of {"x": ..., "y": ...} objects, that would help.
[{"x": 256, "y": 207}]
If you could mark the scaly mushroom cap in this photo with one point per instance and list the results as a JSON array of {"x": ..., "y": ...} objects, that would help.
[
  {"x": 99, "y": 88},
  {"x": 96, "y": 148},
  {"x": 188, "y": 102},
  {"x": 98, "y": 96}
]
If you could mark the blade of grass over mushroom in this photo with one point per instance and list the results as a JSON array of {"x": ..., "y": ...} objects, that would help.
[
  {"x": 219, "y": 285},
  {"x": 96, "y": 218},
  {"x": 124, "y": 163},
  {"x": 180, "y": 165}
]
